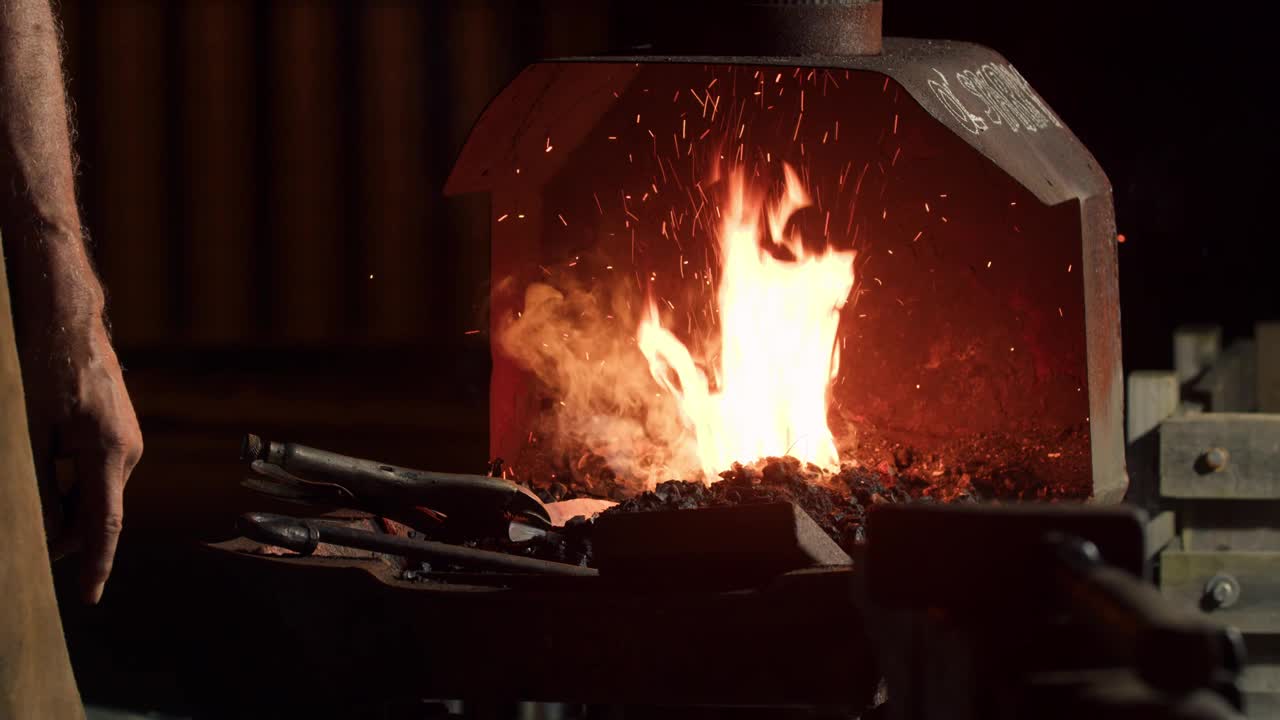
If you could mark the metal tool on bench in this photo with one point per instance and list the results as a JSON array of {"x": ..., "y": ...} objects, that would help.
[
  {"x": 427, "y": 501},
  {"x": 303, "y": 535},
  {"x": 1053, "y": 620}
]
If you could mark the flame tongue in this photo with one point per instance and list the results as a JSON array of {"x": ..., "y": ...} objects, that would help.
[{"x": 778, "y": 356}]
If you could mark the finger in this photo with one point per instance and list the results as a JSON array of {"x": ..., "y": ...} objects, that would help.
[
  {"x": 133, "y": 455},
  {"x": 102, "y": 482}
]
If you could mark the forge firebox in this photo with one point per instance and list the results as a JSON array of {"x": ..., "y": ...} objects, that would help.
[{"x": 848, "y": 252}]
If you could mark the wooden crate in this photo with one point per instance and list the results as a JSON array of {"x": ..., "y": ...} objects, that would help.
[{"x": 1206, "y": 462}]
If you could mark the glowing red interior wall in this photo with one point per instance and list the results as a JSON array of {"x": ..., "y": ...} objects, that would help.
[{"x": 966, "y": 334}]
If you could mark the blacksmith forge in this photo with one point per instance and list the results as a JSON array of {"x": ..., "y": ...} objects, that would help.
[{"x": 983, "y": 319}]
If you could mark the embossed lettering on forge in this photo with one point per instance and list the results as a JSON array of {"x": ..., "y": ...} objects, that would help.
[{"x": 999, "y": 95}]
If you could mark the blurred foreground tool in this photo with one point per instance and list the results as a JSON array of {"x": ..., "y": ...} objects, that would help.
[{"x": 1036, "y": 611}]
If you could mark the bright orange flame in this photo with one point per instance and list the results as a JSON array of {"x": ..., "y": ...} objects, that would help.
[{"x": 778, "y": 352}]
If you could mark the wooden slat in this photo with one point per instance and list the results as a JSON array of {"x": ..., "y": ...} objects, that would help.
[
  {"x": 1160, "y": 531},
  {"x": 1152, "y": 397},
  {"x": 1195, "y": 347},
  {"x": 307, "y": 193},
  {"x": 1263, "y": 672},
  {"x": 396, "y": 194},
  {"x": 1267, "y": 336},
  {"x": 1226, "y": 525},
  {"x": 1230, "y": 383},
  {"x": 131, "y": 190},
  {"x": 1183, "y": 576},
  {"x": 218, "y": 147},
  {"x": 1252, "y": 456}
]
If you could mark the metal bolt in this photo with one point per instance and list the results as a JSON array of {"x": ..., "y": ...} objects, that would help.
[
  {"x": 1222, "y": 591},
  {"x": 1216, "y": 458}
]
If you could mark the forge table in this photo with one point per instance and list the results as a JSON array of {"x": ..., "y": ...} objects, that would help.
[{"x": 328, "y": 626}]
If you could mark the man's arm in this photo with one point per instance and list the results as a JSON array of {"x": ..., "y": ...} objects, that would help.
[{"x": 76, "y": 397}]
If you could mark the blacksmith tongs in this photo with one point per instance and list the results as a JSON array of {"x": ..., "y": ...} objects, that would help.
[{"x": 462, "y": 502}]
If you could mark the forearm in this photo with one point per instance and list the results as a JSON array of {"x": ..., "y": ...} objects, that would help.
[{"x": 51, "y": 276}]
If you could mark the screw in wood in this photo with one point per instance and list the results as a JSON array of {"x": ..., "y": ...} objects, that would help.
[
  {"x": 1221, "y": 591},
  {"x": 1216, "y": 458}
]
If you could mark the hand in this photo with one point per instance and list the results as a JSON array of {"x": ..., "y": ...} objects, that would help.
[{"x": 79, "y": 410}]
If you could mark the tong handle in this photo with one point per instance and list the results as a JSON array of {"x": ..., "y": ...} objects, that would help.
[{"x": 455, "y": 494}]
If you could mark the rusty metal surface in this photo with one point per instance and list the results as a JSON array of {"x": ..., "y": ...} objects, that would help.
[
  {"x": 755, "y": 27},
  {"x": 1019, "y": 132},
  {"x": 337, "y": 624},
  {"x": 712, "y": 545}
]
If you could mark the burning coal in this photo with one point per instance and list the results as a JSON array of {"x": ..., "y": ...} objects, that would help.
[{"x": 658, "y": 407}]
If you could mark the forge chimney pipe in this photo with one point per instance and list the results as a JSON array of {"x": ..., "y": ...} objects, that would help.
[{"x": 758, "y": 28}]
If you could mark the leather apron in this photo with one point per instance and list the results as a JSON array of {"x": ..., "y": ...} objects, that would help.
[{"x": 35, "y": 671}]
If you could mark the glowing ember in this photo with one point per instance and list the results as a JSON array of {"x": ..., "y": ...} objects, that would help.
[{"x": 767, "y": 391}]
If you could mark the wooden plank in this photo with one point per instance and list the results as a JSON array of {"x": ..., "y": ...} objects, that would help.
[
  {"x": 1195, "y": 347},
  {"x": 1226, "y": 525},
  {"x": 1233, "y": 456},
  {"x": 1160, "y": 531},
  {"x": 1220, "y": 526},
  {"x": 394, "y": 130},
  {"x": 1223, "y": 524},
  {"x": 1152, "y": 396},
  {"x": 218, "y": 146},
  {"x": 1261, "y": 704},
  {"x": 1230, "y": 383},
  {"x": 1267, "y": 336},
  {"x": 1260, "y": 680},
  {"x": 307, "y": 193},
  {"x": 1184, "y": 576},
  {"x": 1263, "y": 672},
  {"x": 1190, "y": 407}
]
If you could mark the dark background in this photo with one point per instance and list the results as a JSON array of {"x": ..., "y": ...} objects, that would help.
[{"x": 262, "y": 185}]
